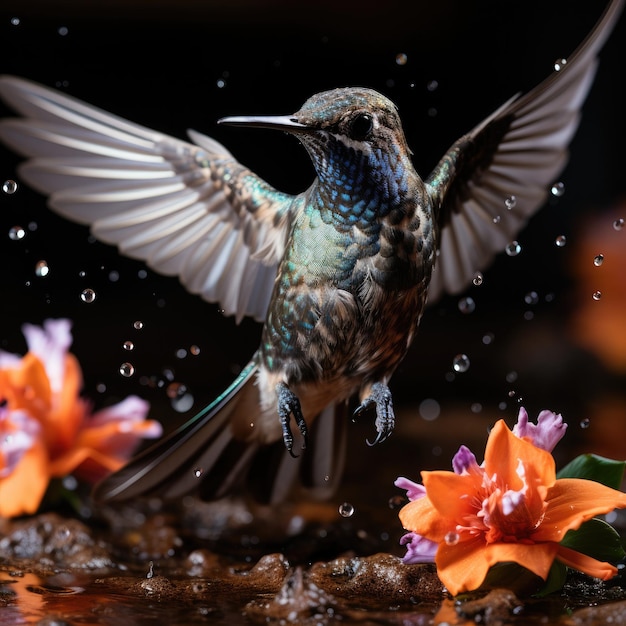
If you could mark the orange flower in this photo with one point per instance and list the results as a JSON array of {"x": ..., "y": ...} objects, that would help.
[
  {"x": 46, "y": 429},
  {"x": 511, "y": 508}
]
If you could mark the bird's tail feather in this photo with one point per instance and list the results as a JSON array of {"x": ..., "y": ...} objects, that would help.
[{"x": 203, "y": 455}]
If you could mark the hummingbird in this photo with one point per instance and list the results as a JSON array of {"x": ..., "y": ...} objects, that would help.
[{"x": 339, "y": 275}]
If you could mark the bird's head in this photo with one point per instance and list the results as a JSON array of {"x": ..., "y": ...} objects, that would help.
[{"x": 340, "y": 124}]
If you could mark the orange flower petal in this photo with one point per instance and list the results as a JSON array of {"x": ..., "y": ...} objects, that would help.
[
  {"x": 72, "y": 460},
  {"x": 452, "y": 495},
  {"x": 462, "y": 567},
  {"x": 536, "y": 557},
  {"x": 586, "y": 564},
  {"x": 23, "y": 489},
  {"x": 421, "y": 517},
  {"x": 572, "y": 501},
  {"x": 27, "y": 387},
  {"x": 502, "y": 455},
  {"x": 68, "y": 411}
]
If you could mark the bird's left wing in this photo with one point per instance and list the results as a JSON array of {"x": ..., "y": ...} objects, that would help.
[
  {"x": 187, "y": 210},
  {"x": 494, "y": 178}
]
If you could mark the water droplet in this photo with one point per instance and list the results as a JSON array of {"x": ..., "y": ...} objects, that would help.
[
  {"x": 142, "y": 274},
  {"x": 88, "y": 295},
  {"x": 596, "y": 295},
  {"x": 461, "y": 363},
  {"x": 114, "y": 276},
  {"x": 346, "y": 509},
  {"x": 16, "y": 233},
  {"x": 512, "y": 393},
  {"x": 42, "y": 269},
  {"x": 510, "y": 202},
  {"x": 532, "y": 297},
  {"x": 496, "y": 219},
  {"x": 194, "y": 350},
  {"x": 15, "y": 21},
  {"x": 175, "y": 390},
  {"x": 618, "y": 224},
  {"x": 451, "y": 538},
  {"x": 138, "y": 325},
  {"x": 401, "y": 58},
  {"x": 559, "y": 64},
  {"x": 182, "y": 403},
  {"x": 128, "y": 345},
  {"x": 476, "y": 407},
  {"x": 432, "y": 85},
  {"x": 560, "y": 241},
  {"x": 513, "y": 248},
  {"x": 478, "y": 279},
  {"x": 63, "y": 30},
  {"x": 488, "y": 338},
  {"x": 598, "y": 260},
  {"x": 429, "y": 409},
  {"x": 181, "y": 353},
  {"x": 9, "y": 186},
  {"x": 127, "y": 369},
  {"x": 511, "y": 377},
  {"x": 557, "y": 190},
  {"x": 467, "y": 305},
  {"x": 584, "y": 423},
  {"x": 397, "y": 502},
  {"x": 198, "y": 472}
]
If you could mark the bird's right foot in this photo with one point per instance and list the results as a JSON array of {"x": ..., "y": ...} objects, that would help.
[{"x": 288, "y": 405}]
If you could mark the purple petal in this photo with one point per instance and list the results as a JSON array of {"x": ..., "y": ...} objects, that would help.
[
  {"x": 464, "y": 462},
  {"x": 548, "y": 431},
  {"x": 132, "y": 410},
  {"x": 50, "y": 344},
  {"x": 414, "y": 491},
  {"x": 418, "y": 549},
  {"x": 18, "y": 432}
]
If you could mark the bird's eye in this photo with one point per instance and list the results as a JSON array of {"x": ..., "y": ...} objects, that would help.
[{"x": 361, "y": 126}]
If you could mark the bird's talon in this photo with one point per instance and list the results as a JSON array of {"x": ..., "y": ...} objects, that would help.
[
  {"x": 288, "y": 405},
  {"x": 380, "y": 397}
]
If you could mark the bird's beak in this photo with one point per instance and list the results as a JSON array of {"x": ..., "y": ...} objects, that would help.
[{"x": 287, "y": 123}]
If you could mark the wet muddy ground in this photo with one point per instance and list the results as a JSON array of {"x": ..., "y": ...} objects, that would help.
[{"x": 137, "y": 566}]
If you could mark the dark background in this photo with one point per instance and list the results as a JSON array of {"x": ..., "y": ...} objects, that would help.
[{"x": 178, "y": 65}]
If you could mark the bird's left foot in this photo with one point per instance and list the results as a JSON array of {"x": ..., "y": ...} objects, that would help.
[
  {"x": 288, "y": 405},
  {"x": 380, "y": 396}
]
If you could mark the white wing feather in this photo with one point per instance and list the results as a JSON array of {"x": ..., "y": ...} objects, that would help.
[
  {"x": 159, "y": 199},
  {"x": 475, "y": 222}
]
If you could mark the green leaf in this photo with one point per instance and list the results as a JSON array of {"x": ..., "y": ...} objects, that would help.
[
  {"x": 554, "y": 581},
  {"x": 596, "y": 539},
  {"x": 597, "y": 468}
]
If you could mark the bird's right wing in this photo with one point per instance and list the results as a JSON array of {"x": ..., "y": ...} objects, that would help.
[
  {"x": 494, "y": 178},
  {"x": 187, "y": 210}
]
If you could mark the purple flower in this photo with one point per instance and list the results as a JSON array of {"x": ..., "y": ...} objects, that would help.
[{"x": 545, "y": 434}]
